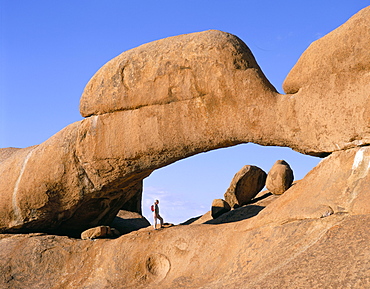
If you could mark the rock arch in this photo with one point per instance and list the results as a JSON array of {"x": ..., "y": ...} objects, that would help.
[{"x": 177, "y": 97}]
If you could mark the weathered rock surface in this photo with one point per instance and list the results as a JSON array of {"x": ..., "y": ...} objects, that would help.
[
  {"x": 245, "y": 185},
  {"x": 171, "y": 99},
  {"x": 65, "y": 199},
  {"x": 82, "y": 176},
  {"x": 279, "y": 178},
  {"x": 7, "y": 152},
  {"x": 329, "y": 88},
  {"x": 339, "y": 185},
  {"x": 187, "y": 67},
  {"x": 289, "y": 243},
  {"x": 219, "y": 207}
]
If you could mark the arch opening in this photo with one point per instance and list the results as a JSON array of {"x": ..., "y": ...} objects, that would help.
[{"x": 187, "y": 187}]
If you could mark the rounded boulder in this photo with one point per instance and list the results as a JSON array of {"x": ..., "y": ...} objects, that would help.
[
  {"x": 279, "y": 178},
  {"x": 245, "y": 185}
]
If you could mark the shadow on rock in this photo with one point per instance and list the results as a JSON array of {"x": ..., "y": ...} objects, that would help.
[
  {"x": 255, "y": 200},
  {"x": 237, "y": 215},
  {"x": 126, "y": 222}
]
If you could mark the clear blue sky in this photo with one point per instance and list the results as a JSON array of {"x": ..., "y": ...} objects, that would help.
[{"x": 50, "y": 49}]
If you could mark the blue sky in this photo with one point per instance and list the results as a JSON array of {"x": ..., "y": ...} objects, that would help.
[{"x": 50, "y": 49}]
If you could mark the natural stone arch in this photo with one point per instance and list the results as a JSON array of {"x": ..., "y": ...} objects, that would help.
[{"x": 174, "y": 98}]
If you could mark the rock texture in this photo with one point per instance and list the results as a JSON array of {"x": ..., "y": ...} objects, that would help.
[
  {"x": 290, "y": 243},
  {"x": 65, "y": 199},
  {"x": 7, "y": 152},
  {"x": 194, "y": 66},
  {"x": 279, "y": 178},
  {"x": 171, "y": 99},
  {"x": 328, "y": 88},
  {"x": 245, "y": 185},
  {"x": 342, "y": 187},
  {"x": 153, "y": 105},
  {"x": 315, "y": 235}
]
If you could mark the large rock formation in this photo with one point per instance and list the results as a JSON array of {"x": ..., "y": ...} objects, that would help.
[
  {"x": 153, "y": 105},
  {"x": 155, "y": 112},
  {"x": 171, "y": 99},
  {"x": 84, "y": 174},
  {"x": 293, "y": 242},
  {"x": 328, "y": 88}
]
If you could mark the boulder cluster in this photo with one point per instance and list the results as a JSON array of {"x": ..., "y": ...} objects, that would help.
[{"x": 249, "y": 181}]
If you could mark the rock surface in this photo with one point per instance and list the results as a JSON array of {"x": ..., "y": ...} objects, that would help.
[
  {"x": 328, "y": 88},
  {"x": 126, "y": 222},
  {"x": 339, "y": 184},
  {"x": 245, "y": 185},
  {"x": 82, "y": 176},
  {"x": 7, "y": 152},
  {"x": 99, "y": 232},
  {"x": 279, "y": 178},
  {"x": 187, "y": 67},
  {"x": 219, "y": 207},
  {"x": 315, "y": 235},
  {"x": 289, "y": 243}
]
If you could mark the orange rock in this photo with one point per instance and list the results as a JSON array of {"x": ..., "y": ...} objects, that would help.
[
  {"x": 177, "y": 97},
  {"x": 219, "y": 207},
  {"x": 245, "y": 185},
  {"x": 279, "y": 178}
]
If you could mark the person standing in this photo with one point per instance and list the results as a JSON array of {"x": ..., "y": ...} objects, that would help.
[{"x": 156, "y": 215}]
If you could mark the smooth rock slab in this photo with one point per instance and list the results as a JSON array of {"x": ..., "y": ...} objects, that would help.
[{"x": 311, "y": 253}]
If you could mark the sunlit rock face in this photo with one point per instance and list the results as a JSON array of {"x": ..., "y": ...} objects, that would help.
[
  {"x": 174, "y": 98},
  {"x": 208, "y": 92},
  {"x": 329, "y": 87},
  {"x": 315, "y": 235},
  {"x": 147, "y": 108}
]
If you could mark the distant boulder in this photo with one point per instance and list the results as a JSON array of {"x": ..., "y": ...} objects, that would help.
[
  {"x": 245, "y": 185},
  {"x": 126, "y": 222},
  {"x": 99, "y": 232},
  {"x": 219, "y": 207},
  {"x": 279, "y": 178}
]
